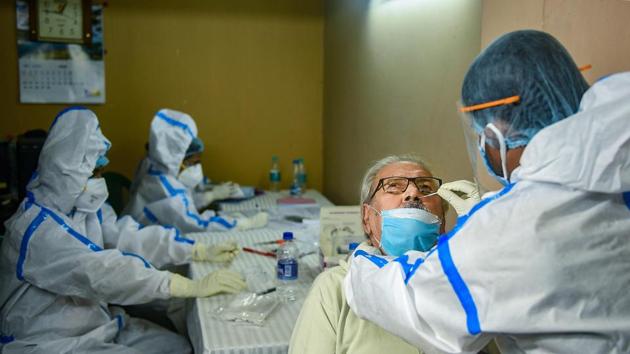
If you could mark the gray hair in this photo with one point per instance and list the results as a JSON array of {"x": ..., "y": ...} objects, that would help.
[{"x": 370, "y": 175}]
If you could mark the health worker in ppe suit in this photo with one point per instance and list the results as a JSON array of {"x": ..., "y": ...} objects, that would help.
[
  {"x": 60, "y": 282},
  {"x": 203, "y": 193},
  {"x": 160, "y": 245},
  {"x": 401, "y": 211},
  {"x": 542, "y": 266},
  {"x": 161, "y": 191}
]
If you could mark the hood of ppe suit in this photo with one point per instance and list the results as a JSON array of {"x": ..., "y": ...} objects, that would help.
[
  {"x": 170, "y": 135},
  {"x": 67, "y": 159},
  {"x": 590, "y": 150}
]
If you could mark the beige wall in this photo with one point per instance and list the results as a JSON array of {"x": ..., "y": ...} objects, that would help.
[
  {"x": 595, "y": 32},
  {"x": 250, "y": 72},
  {"x": 393, "y": 71}
]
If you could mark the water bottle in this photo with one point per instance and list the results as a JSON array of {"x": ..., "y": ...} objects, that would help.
[
  {"x": 302, "y": 174},
  {"x": 296, "y": 187},
  {"x": 274, "y": 175},
  {"x": 287, "y": 256}
]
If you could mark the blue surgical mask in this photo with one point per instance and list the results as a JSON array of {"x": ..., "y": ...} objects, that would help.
[
  {"x": 502, "y": 154},
  {"x": 102, "y": 161},
  {"x": 407, "y": 229}
]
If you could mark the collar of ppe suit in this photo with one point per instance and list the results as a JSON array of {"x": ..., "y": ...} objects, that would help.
[
  {"x": 170, "y": 135},
  {"x": 67, "y": 159},
  {"x": 363, "y": 246},
  {"x": 591, "y": 148}
]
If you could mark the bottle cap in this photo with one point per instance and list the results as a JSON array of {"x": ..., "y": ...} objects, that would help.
[{"x": 287, "y": 236}]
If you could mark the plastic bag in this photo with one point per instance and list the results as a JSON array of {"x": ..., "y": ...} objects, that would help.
[{"x": 247, "y": 307}]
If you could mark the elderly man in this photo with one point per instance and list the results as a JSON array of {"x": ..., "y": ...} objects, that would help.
[
  {"x": 542, "y": 266},
  {"x": 400, "y": 211}
]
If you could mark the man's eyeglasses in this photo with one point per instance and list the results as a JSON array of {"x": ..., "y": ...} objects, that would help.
[{"x": 397, "y": 185}]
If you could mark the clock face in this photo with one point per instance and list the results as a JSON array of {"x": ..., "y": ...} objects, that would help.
[{"x": 60, "y": 19}]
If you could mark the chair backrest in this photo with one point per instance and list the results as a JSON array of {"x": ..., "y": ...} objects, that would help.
[{"x": 118, "y": 187}]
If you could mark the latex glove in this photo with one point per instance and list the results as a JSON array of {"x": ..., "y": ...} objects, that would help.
[
  {"x": 220, "y": 281},
  {"x": 220, "y": 191},
  {"x": 223, "y": 252},
  {"x": 256, "y": 221},
  {"x": 468, "y": 199}
]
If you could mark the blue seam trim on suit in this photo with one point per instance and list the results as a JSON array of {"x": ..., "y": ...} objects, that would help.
[
  {"x": 119, "y": 321},
  {"x": 378, "y": 261},
  {"x": 6, "y": 339},
  {"x": 44, "y": 212},
  {"x": 99, "y": 215},
  {"x": 178, "y": 236},
  {"x": 19, "y": 271},
  {"x": 182, "y": 239},
  {"x": 153, "y": 172},
  {"x": 73, "y": 108},
  {"x": 152, "y": 218},
  {"x": 408, "y": 269},
  {"x": 459, "y": 286},
  {"x": 176, "y": 123},
  {"x": 222, "y": 221},
  {"x": 626, "y": 198},
  {"x": 172, "y": 191},
  {"x": 146, "y": 264}
]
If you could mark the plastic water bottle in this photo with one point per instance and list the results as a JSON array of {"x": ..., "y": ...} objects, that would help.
[
  {"x": 302, "y": 175},
  {"x": 296, "y": 187},
  {"x": 287, "y": 256},
  {"x": 274, "y": 175}
]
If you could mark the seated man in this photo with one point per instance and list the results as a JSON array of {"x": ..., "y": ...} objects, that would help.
[
  {"x": 400, "y": 212},
  {"x": 161, "y": 192}
]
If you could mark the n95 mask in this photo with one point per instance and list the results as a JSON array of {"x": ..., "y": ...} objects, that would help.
[
  {"x": 191, "y": 176},
  {"x": 93, "y": 196}
]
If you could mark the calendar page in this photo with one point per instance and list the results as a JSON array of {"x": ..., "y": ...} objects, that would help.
[{"x": 59, "y": 72}]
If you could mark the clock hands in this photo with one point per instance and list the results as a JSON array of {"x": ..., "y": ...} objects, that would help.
[{"x": 62, "y": 7}]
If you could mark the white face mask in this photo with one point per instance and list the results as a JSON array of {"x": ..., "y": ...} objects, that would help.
[
  {"x": 93, "y": 196},
  {"x": 191, "y": 176}
]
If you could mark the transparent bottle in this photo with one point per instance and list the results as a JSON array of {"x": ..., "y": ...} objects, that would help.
[
  {"x": 287, "y": 269},
  {"x": 296, "y": 187},
  {"x": 274, "y": 175},
  {"x": 302, "y": 175}
]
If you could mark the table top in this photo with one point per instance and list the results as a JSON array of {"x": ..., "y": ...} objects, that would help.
[
  {"x": 268, "y": 201},
  {"x": 211, "y": 335}
]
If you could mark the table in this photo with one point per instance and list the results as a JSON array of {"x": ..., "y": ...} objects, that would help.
[
  {"x": 213, "y": 336},
  {"x": 268, "y": 201}
]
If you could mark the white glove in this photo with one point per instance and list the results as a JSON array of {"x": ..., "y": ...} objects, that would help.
[
  {"x": 220, "y": 281},
  {"x": 462, "y": 204},
  {"x": 223, "y": 252},
  {"x": 220, "y": 191},
  {"x": 256, "y": 221}
]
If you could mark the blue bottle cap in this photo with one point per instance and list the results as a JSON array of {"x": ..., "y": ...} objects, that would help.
[{"x": 287, "y": 236}]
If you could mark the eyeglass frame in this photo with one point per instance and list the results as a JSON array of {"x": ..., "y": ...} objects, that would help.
[{"x": 381, "y": 184}]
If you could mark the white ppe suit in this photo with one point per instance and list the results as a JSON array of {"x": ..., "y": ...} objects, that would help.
[
  {"x": 159, "y": 245},
  {"x": 157, "y": 196},
  {"x": 543, "y": 266},
  {"x": 57, "y": 279}
]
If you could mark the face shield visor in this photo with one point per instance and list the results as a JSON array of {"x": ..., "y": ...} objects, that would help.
[{"x": 487, "y": 177}]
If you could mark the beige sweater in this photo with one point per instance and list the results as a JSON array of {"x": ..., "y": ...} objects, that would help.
[{"x": 327, "y": 324}]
